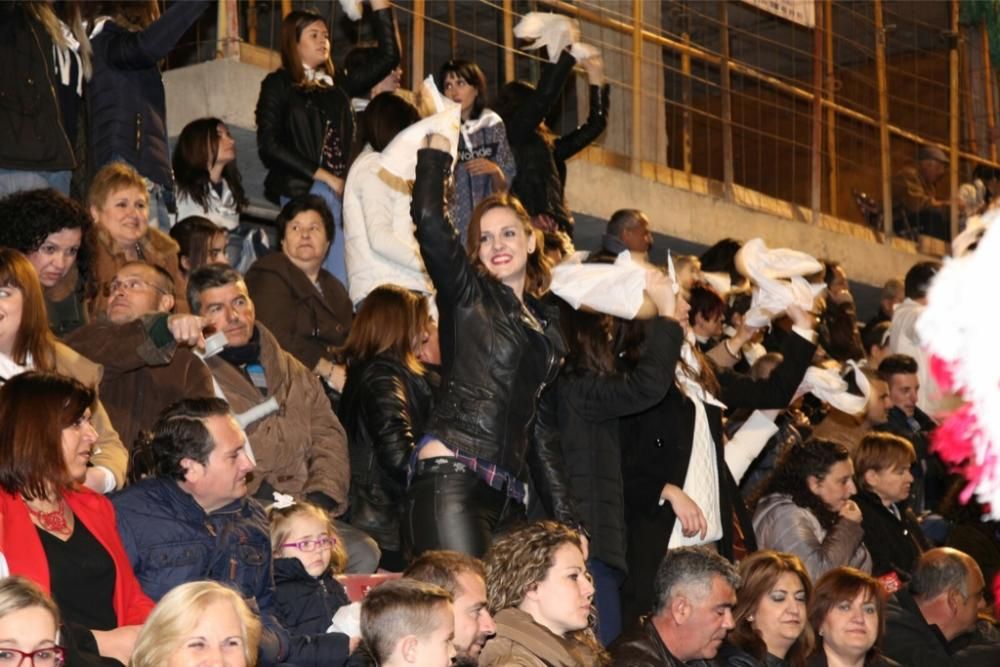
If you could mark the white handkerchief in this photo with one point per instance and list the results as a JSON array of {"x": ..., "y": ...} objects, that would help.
[
  {"x": 553, "y": 31},
  {"x": 399, "y": 158},
  {"x": 778, "y": 282},
  {"x": 352, "y": 8},
  {"x": 615, "y": 289},
  {"x": 827, "y": 385},
  {"x": 347, "y": 620}
]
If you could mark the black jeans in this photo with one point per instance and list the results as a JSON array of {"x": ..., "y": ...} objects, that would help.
[{"x": 457, "y": 511}]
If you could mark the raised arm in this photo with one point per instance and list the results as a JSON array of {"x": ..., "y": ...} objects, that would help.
[
  {"x": 142, "y": 49},
  {"x": 523, "y": 122},
  {"x": 363, "y": 78},
  {"x": 572, "y": 143}
]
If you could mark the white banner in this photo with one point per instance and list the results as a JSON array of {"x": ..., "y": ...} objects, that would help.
[{"x": 802, "y": 12}]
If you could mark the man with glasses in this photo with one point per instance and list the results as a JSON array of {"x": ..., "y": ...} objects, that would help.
[
  {"x": 192, "y": 520},
  {"x": 147, "y": 352},
  {"x": 935, "y": 622}
]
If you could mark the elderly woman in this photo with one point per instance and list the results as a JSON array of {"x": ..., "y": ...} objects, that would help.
[
  {"x": 201, "y": 622},
  {"x": 54, "y": 233},
  {"x": 305, "y": 307},
  {"x": 540, "y": 595},
  {"x": 771, "y": 626},
  {"x": 806, "y": 509},
  {"x": 847, "y": 612},
  {"x": 119, "y": 204},
  {"x": 26, "y": 343},
  {"x": 55, "y": 531}
]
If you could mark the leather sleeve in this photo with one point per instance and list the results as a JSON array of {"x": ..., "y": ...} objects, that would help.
[
  {"x": 572, "y": 143},
  {"x": 274, "y": 152},
  {"x": 545, "y": 462},
  {"x": 362, "y": 79},
  {"x": 525, "y": 120},
  {"x": 444, "y": 258},
  {"x": 777, "y": 391},
  {"x": 386, "y": 415},
  {"x": 142, "y": 49}
]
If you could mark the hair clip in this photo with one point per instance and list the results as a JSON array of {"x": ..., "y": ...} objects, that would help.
[{"x": 282, "y": 501}]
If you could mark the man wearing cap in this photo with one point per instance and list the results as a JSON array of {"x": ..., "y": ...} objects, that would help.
[{"x": 913, "y": 191}]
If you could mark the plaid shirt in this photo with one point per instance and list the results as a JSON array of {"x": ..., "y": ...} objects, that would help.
[{"x": 494, "y": 476}]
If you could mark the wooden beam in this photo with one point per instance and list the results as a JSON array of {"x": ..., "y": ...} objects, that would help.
[
  {"x": 252, "y": 21},
  {"x": 817, "y": 126},
  {"x": 964, "y": 84},
  {"x": 727, "y": 105},
  {"x": 991, "y": 121},
  {"x": 417, "y": 47},
  {"x": 286, "y": 8},
  {"x": 885, "y": 156},
  {"x": 831, "y": 114},
  {"x": 953, "y": 118},
  {"x": 509, "y": 74},
  {"x": 686, "y": 99},
  {"x": 636, "y": 85},
  {"x": 453, "y": 37}
]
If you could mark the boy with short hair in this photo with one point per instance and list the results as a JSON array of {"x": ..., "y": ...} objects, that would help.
[
  {"x": 892, "y": 534},
  {"x": 408, "y": 623}
]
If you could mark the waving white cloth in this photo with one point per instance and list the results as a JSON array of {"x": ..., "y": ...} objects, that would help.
[
  {"x": 720, "y": 282},
  {"x": 347, "y": 620},
  {"x": 399, "y": 158},
  {"x": 553, "y": 31},
  {"x": 827, "y": 385},
  {"x": 615, "y": 289},
  {"x": 748, "y": 442},
  {"x": 778, "y": 282},
  {"x": 352, "y": 8}
]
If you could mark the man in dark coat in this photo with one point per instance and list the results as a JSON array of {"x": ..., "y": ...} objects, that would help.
[{"x": 695, "y": 593}]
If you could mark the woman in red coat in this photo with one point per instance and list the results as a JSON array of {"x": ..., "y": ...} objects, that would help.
[{"x": 55, "y": 531}]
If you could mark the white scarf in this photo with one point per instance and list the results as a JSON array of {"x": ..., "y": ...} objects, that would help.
[
  {"x": 317, "y": 75},
  {"x": 10, "y": 368},
  {"x": 701, "y": 483},
  {"x": 62, "y": 55}
]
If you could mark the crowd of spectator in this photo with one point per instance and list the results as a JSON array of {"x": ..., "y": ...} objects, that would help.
[{"x": 207, "y": 429}]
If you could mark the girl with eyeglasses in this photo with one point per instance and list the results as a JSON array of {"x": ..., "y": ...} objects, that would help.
[
  {"x": 308, "y": 554},
  {"x": 29, "y": 626}
]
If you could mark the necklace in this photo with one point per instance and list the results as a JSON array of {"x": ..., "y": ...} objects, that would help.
[{"x": 54, "y": 521}]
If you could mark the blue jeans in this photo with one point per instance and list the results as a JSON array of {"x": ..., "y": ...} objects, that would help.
[
  {"x": 17, "y": 180},
  {"x": 607, "y": 597},
  {"x": 334, "y": 262}
]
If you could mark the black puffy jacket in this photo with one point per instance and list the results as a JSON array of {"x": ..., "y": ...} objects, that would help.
[
  {"x": 127, "y": 103},
  {"x": 305, "y": 604},
  {"x": 383, "y": 409},
  {"x": 498, "y": 355},
  {"x": 541, "y": 162},
  {"x": 31, "y": 129},
  {"x": 292, "y": 121}
]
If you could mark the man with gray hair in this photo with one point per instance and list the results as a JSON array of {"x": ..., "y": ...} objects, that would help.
[
  {"x": 934, "y": 623},
  {"x": 628, "y": 229},
  {"x": 695, "y": 592}
]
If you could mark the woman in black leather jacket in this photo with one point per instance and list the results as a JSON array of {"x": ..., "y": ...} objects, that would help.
[
  {"x": 305, "y": 123},
  {"x": 492, "y": 435},
  {"x": 385, "y": 402}
]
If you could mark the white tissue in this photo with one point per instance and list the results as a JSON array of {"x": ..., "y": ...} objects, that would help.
[
  {"x": 553, "y": 31},
  {"x": 347, "y": 620},
  {"x": 615, "y": 289},
  {"x": 399, "y": 158},
  {"x": 778, "y": 280},
  {"x": 827, "y": 385},
  {"x": 352, "y": 8}
]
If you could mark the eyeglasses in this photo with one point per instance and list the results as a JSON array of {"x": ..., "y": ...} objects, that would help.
[
  {"x": 130, "y": 285},
  {"x": 51, "y": 656},
  {"x": 325, "y": 542}
]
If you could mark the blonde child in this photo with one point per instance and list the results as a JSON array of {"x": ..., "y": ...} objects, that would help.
[{"x": 308, "y": 554}]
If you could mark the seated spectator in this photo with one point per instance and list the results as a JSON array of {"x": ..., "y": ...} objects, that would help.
[
  {"x": 146, "y": 352},
  {"x": 378, "y": 230},
  {"x": 198, "y": 623},
  {"x": 915, "y": 197},
  {"x": 892, "y": 296},
  {"x": 55, "y": 233},
  {"x": 29, "y": 625},
  {"x": 27, "y": 344},
  {"x": 540, "y": 594},
  {"x": 972, "y": 532},
  {"x": 838, "y": 327},
  {"x": 628, "y": 229},
  {"x": 892, "y": 534},
  {"x": 304, "y": 307},
  {"x": 200, "y": 241},
  {"x": 308, "y": 554},
  {"x": 875, "y": 341},
  {"x": 53, "y": 530},
  {"x": 695, "y": 593},
  {"x": 934, "y": 622},
  {"x": 119, "y": 204},
  {"x": 407, "y": 623},
  {"x": 906, "y": 419},
  {"x": 805, "y": 508},
  {"x": 848, "y": 429},
  {"x": 847, "y": 613},
  {"x": 302, "y": 447},
  {"x": 771, "y": 625},
  {"x": 209, "y": 183},
  {"x": 465, "y": 578},
  {"x": 386, "y": 401},
  {"x": 192, "y": 520}
]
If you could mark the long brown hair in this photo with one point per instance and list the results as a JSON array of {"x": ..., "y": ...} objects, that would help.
[
  {"x": 759, "y": 573},
  {"x": 34, "y": 410},
  {"x": 291, "y": 32},
  {"x": 538, "y": 270},
  {"x": 391, "y": 321},
  {"x": 196, "y": 151},
  {"x": 34, "y": 338}
]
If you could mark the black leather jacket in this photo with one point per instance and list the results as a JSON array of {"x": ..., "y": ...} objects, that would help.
[
  {"x": 383, "y": 409},
  {"x": 498, "y": 355},
  {"x": 642, "y": 647},
  {"x": 292, "y": 122}
]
